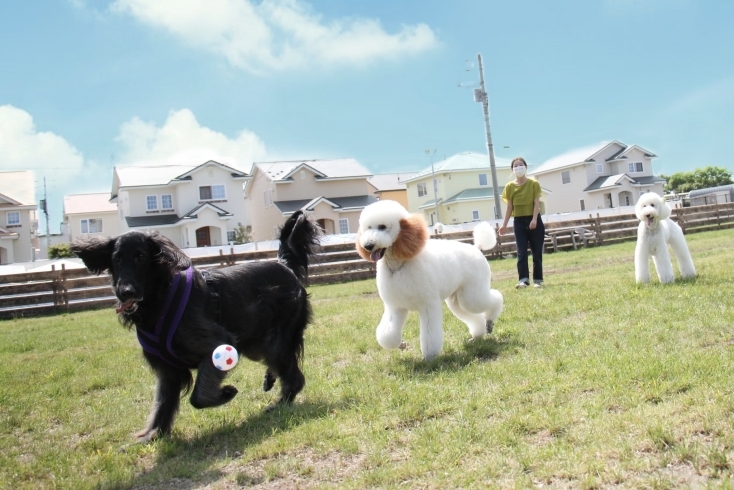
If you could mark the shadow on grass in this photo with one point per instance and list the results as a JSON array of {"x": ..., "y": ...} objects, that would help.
[
  {"x": 186, "y": 463},
  {"x": 481, "y": 350}
]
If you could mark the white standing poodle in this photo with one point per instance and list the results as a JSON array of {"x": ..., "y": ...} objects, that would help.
[
  {"x": 655, "y": 233},
  {"x": 415, "y": 273}
]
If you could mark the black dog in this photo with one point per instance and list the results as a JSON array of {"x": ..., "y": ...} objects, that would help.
[{"x": 261, "y": 308}]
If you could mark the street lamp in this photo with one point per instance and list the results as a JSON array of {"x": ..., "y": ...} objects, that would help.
[
  {"x": 480, "y": 95},
  {"x": 433, "y": 175}
]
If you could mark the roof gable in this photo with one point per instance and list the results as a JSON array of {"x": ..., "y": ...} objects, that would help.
[{"x": 283, "y": 171}]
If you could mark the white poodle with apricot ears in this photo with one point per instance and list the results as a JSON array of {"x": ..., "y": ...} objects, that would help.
[
  {"x": 655, "y": 232},
  {"x": 415, "y": 273}
]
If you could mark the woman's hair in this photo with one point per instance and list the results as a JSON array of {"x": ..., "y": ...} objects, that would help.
[{"x": 521, "y": 159}]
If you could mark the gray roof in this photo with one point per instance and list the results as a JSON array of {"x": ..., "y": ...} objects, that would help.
[
  {"x": 573, "y": 157},
  {"x": 461, "y": 161},
  {"x": 145, "y": 175},
  {"x": 390, "y": 182},
  {"x": 609, "y": 181},
  {"x": 324, "y": 169},
  {"x": 349, "y": 202},
  {"x": 155, "y": 220},
  {"x": 472, "y": 195}
]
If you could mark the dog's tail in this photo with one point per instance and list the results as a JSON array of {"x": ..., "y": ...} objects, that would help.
[
  {"x": 485, "y": 237},
  {"x": 299, "y": 242}
]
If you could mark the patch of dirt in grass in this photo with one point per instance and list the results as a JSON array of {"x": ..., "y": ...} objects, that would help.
[{"x": 302, "y": 469}]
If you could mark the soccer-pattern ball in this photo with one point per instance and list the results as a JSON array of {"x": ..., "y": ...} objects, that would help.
[{"x": 225, "y": 357}]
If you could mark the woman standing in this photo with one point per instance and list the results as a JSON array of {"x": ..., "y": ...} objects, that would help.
[{"x": 523, "y": 203}]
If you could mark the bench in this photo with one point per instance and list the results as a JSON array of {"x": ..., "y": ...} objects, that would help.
[{"x": 573, "y": 232}]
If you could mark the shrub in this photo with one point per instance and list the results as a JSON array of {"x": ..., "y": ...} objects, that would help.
[{"x": 60, "y": 251}]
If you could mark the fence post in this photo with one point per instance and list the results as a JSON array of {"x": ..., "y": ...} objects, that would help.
[
  {"x": 222, "y": 260},
  {"x": 55, "y": 287},
  {"x": 498, "y": 247},
  {"x": 597, "y": 228},
  {"x": 64, "y": 291},
  {"x": 718, "y": 215},
  {"x": 231, "y": 256}
]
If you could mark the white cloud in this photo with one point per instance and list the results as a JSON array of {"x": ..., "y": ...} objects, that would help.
[
  {"x": 277, "y": 34},
  {"x": 23, "y": 147},
  {"x": 181, "y": 139}
]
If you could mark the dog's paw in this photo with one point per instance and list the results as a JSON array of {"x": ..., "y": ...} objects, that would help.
[
  {"x": 403, "y": 346},
  {"x": 490, "y": 326},
  {"x": 228, "y": 392},
  {"x": 268, "y": 381},
  {"x": 147, "y": 435}
]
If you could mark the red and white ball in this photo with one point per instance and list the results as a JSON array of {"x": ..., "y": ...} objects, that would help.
[{"x": 225, "y": 357}]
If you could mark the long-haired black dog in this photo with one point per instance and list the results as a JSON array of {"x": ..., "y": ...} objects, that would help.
[{"x": 261, "y": 308}]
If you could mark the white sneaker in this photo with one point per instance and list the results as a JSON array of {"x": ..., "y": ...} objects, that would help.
[
  {"x": 521, "y": 285},
  {"x": 538, "y": 285}
]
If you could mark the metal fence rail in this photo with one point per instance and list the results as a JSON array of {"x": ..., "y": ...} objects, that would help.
[{"x": 68, "y": 290}]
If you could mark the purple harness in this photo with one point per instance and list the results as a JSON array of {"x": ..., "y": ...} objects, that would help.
[{"x": 159, "y": 342}]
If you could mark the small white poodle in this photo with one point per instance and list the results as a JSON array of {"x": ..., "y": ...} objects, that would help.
[
  {"x": 655, "y": 232},
  {"x": 415, "y": 273}
]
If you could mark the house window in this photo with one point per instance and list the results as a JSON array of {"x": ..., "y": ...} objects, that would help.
[
  {"x": 167, "y": 202},
  {"x": 599, "y": 168},
  {"x": 303, "y": 175},
  {"x": 482, "y": 179},
  {"x": 230, "y": 236},
  {"x": 343, "y": 226},
  {"x": 475, "y": 215},
  {"x": 13, "y": 217},
  {"x": 627, "y": 200},
  {"x": 268, "y": 198},
  {"x": 151, "y": 203},
  {"x": 634, "y": 167},
  {"x": 422, "y": 189},
  {"x": 566, "y": 177},
  {"x": 211, "y": 192},
  {"x": 583, "y": 204},
  {"x": 91, "y": 226}
]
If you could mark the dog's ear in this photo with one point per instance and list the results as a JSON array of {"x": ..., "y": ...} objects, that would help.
[
  {"x": 95, "y": 252},
  {"x": 412, "y": 238},
  {"x": 166, "y": 253},
  {"x": 664, "y": 210},
  {"x": 360, "y": 249}
]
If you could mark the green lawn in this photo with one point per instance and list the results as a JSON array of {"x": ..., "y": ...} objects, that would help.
[{"x": 592, "y": 382}]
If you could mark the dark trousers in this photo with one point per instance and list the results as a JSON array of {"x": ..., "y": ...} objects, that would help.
[{"x": 524, "y": 236}]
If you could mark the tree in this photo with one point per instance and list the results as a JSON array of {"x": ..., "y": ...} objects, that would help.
[
  {"x": 242, "y": 235},
  {"x": 60, "y": 251},
  {"x": 701, "y": 178}
]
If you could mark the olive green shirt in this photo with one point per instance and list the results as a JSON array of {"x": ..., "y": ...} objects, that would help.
[{"x": 522, "y": 197}]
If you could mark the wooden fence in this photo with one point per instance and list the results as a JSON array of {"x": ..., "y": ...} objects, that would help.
[{"x": 68, "y": 290}]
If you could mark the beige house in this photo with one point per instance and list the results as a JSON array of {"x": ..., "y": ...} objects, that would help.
[
  {"x": 18, "y": 219},
  {"x": 608, "y": 175},
  {"x": 391, "y": 187},
  {"x": 334, "y": 192},
  {"x": 463, "y": 189},
  {"x": 193, "y": 205},
  {"x": 90, "y": 215}
]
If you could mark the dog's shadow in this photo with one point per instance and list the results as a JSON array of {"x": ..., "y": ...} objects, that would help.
[
  {"x": 180, "y": 457},
  {"x": 485, "y": 349}
]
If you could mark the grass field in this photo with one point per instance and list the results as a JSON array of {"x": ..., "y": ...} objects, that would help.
[{"x": 592, "y": 382}]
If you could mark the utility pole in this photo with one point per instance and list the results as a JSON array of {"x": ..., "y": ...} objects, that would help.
[
  {"x": 433, "y": 176},
  {"x": 44, "y": 207},
  {"x": 480, "y": 95}
]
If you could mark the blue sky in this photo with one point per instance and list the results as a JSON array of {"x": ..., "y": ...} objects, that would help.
[{"x": 87, "y": 85}]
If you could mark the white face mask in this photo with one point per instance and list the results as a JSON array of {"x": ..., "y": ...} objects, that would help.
[{"x": 519, "y": 170}]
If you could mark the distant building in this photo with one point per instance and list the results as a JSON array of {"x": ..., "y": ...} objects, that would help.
[
  {"x": 192, "y": 205},
  {"x": 18, "y": 219},
  {"x": 334, "y": 192},
  {"x": 89, "y": 215},
  {"x": 463, "y": 189},
  {"x": 391, "y": 187},
  {"x": 608, "y": 175},
  {"x": 712, "y": 195}
]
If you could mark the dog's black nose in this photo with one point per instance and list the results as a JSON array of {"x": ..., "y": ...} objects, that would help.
[
  {"x": 125, "y": 292},
  {"x": 369, "y": 246}
]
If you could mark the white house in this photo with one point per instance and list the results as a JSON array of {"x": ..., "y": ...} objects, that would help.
[
  {"x": 193, "y": 205},
  {"x": 334, "y": 192},
  {"x": 463, "y": 189},
  {"x": 89, "y": 214},
  {"x": 607, "y": 175},
  {"x": 18, "y": 220}
]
